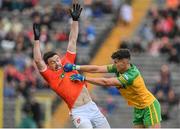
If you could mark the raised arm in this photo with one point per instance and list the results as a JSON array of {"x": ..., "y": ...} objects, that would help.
[
  {"x": 75, "y": 14},
  {"x": 36, "y": 49}
]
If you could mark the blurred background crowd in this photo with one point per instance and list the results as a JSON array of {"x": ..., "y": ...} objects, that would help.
[{"x": 155, "y": 45}]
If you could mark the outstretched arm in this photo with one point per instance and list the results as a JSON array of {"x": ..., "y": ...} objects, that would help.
[
  {"x": 75, "y": 14},
  {"x": 103, "y": 81},
  {"x": 86, "y": 68},
  {"x": 93, "y": 68},
  {"x": 97, "y": 81},
  {"x": 36, "y": 49}
]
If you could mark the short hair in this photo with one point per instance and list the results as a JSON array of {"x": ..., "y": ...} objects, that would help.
[
  {"x": 48, "y": 55},
  {"x": 121, "y": 54}
]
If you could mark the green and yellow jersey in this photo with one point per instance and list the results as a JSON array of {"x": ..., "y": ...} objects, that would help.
[{"x": 133, "y": 88}]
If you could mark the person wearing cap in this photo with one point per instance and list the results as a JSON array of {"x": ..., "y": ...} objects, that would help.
[{"x": 129, "y": 82}]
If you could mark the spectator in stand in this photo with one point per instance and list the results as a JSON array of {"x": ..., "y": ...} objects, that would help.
[
  {"x": 153, "y": 47},
  {"x": 46, "y": 21},
  {"x": 97, "y": 9},
  {"x": 88, "y": 10},
  {"x": 61, "y": 35},
  {"x": 165, "y": 45},
  {"x": 44, "y": 35},
  {"x": 173, "y": 57},
  {"x": 147, "y": 33},
  {"x": 35, "y": 108},
  {"x": 58, "y": 13},
  {"x": 126, "y": 14},
  {"x": 83, "y": 40},
  {"x": 176, "y": 45},
  {"x": 137, "y": 45},
  {"x": 164, "y": 92},
  {"x": 90, "y": 31},
  {"x": 9, "y": 89},
  {"x": 172, "y": 3},
  {"x": 27, "y": 120},
  {"x": 124, "y": 43}
]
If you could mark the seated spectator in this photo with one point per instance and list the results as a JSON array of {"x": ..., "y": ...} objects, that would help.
[
  {"x": 126, "y": 14},
  {"x": 9, "y": 89},
  {"x": 90, "y": 31},
  {"x": 173, "y": 57},
  {"x": 27, "y": 120},
  {"x": 147, "y": 33},
  {"x": 61, "y": 36},
  {"x": 153, "y": 47},
  {"x": 176, "y": 45},
  {"x": 83, "y": 39},
  {"x": 97, "y": 9},
  {"x": 19, "y": 61},
  {"x": 44, "y": 38},
  {"x": 58, "y": 13},
  {"x": 88, "y": 12},
  {"x": 164, "y": 92},
  {"x": 124, "y": 43},
  {"x": 172, "y": 3},
  {"x": 137, "y": 46},
  {"x": 46, "y": 21},
  {"x": 165, "y": 45},
  {"x": 35, "y": 108}
]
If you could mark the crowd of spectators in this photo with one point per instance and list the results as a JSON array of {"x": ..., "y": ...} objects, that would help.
[
  {"x": 160, "y": 34},
  {"x": 163, "y": 31},
  {"x": 16, "y": 37}
]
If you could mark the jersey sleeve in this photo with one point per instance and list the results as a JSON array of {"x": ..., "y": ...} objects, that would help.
[
  {"x": 127, "y": 78},
  {"x": 47, "y": 74},
  {"x": 111, "y": 68},
  {"x": 70, "y": 57}
]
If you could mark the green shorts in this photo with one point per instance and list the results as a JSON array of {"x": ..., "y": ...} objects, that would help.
[{"x": 148, "y": 116}]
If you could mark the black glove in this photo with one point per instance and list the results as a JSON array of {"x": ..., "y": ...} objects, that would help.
[
  {"x": 36, "y": 29},
  {"x": 75, "y": 12}
]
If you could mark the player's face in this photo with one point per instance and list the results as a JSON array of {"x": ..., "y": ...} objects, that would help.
[
  {"x": 121, "y": 64},
  {"x": 54, "y": 63}
]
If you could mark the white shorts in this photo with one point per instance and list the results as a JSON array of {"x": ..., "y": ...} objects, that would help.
[{"x": 88, "y": 116}]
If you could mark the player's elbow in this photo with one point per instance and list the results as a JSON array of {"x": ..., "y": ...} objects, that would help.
[
  {"x": 37, "y": 60},
  {"x": 107, "y": 82}
]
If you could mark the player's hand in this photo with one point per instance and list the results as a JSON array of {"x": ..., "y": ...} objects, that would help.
[
  {"x": 77, "y": 77},
  {"x": 36, "y": 29},
  {"x": 69, "y": 67},
  {"x": 75, "y": 12}
]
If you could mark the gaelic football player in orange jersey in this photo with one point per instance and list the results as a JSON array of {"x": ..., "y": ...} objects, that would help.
[{"x": 83, "y": 110}]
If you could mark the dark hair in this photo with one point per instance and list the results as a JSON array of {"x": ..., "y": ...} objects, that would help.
[
  {"x": 121, "y": 54},
  {"x": 48, "y": 55}
]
